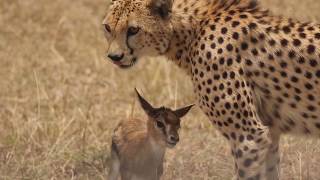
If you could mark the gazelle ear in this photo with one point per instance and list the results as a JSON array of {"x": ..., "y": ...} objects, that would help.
[
  {"x": 183, "y": 111},
  {"x": 146, "y": 106},
  {"x": 162, "y": 8}
]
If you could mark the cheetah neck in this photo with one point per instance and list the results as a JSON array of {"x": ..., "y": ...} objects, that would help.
[
  {"x": 185, "y": 28},
  {"x": 187, "y": 20},
  {"x": 180, "y": 45}
]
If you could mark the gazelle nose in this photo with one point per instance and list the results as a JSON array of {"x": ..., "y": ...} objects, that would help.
[
  {"x": 116, "y": 57},
  {"x": 174, "y": 139}
]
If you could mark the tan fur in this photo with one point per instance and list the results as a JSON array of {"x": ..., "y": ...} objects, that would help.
[
  {"x": 139, "y": 145},
  {"x": 140, "y": 149}
]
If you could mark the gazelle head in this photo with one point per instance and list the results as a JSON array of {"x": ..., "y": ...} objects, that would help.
[{"x": 166, "y": 122}]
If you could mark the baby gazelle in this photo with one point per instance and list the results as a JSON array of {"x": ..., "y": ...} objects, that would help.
[{"x": 139, "y": 145}]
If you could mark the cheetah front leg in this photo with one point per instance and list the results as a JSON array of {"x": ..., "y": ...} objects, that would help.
[
  {"x": 237, "y": 119},
  {"x": 258, "y": 160},
  {"x": 273, "y": 158},
  {"x": 251, "y": 156},
  {"x": 251, "y": 145}
]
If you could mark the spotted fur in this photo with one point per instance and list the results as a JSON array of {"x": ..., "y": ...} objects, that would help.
[{"x": 256, "y": 75}]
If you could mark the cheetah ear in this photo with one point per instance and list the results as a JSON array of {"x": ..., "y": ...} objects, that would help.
[
  {"x": 183, "y": 111},
  {"x": 146, "y": 106},
  {"x": 162, "y": 8}
]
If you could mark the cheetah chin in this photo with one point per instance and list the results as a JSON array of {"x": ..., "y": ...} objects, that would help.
[{"x": 126, "y": 66}]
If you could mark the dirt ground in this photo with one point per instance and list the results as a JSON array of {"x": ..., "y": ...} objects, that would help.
[{"x": 60, "y": 99}]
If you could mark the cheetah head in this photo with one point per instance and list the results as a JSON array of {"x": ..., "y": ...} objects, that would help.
[{"x": 137, "y": 28}]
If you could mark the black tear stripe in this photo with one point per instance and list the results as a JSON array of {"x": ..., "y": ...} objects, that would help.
[{"x": 127, "y": 42}]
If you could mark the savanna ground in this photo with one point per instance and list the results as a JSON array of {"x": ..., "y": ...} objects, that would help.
[{"x": 60, "y": 99}]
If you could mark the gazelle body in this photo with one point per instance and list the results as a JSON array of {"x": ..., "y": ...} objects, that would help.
[{"x": 139, "y": 145}]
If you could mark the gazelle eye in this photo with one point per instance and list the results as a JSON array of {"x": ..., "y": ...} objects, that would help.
[
  {"x": 133, "y": 30},
  {"x": 159, "y": 125},
  {"x": 107, "y": 28}
]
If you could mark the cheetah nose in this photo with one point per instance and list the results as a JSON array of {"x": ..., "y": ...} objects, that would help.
[{"x": 116, "y": 57}]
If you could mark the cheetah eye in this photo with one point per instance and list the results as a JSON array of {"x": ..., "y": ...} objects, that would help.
[
  {"x": 107, "y": 28},
  {"x": 133, "y": 30},
  {"x": 159, "y": 125}
]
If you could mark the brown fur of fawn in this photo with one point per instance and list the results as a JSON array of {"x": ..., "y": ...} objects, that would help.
[{"x": 139, "y": 145}]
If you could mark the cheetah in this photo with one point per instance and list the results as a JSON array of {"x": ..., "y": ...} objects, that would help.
[{"x": 256, "y": 75}]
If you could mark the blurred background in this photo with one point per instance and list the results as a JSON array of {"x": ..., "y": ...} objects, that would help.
[{"x": 60, "y": 99}]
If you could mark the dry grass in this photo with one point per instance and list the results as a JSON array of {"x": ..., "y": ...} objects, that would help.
[{"x": 60, "y": 99}]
